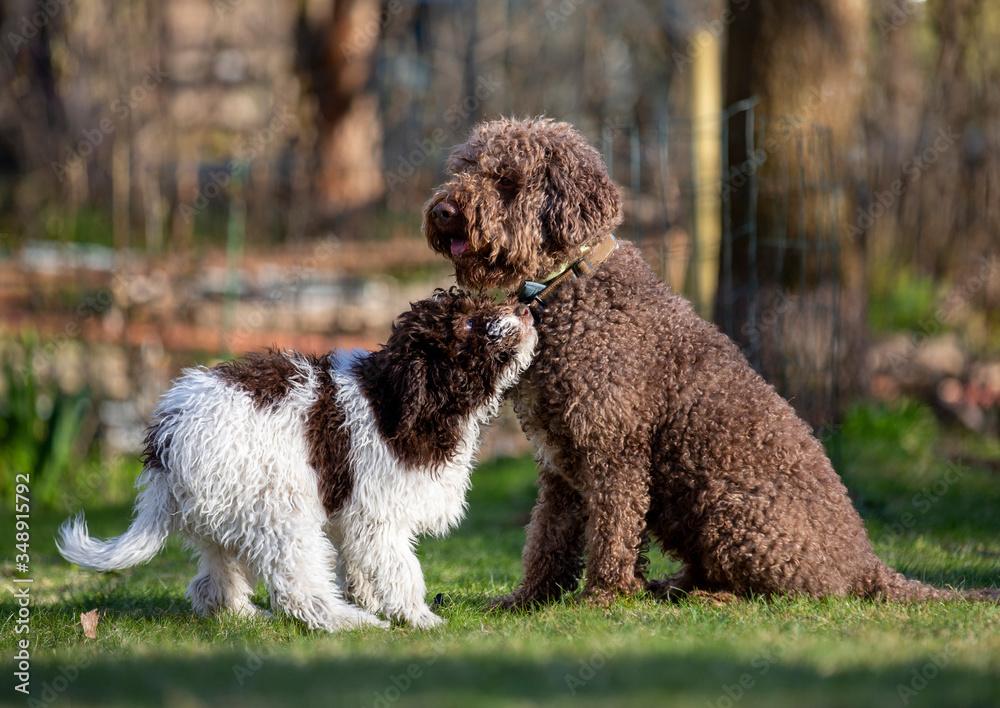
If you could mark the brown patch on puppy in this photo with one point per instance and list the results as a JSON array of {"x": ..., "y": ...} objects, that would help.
[
  {"x": 329, "y": 441},
  {"x": 442, "y": 362},
  {"x": 156, "y": 445},
  {"x": 266, "y": 376}
]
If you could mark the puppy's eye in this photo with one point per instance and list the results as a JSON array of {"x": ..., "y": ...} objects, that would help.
[
  {"x": 470, "y": 324},
  {"x": 506, "y": 183},
  {"x": 495, "y": 330}
]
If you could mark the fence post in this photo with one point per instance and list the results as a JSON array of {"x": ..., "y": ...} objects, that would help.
[{"x": 706, "y": 106}]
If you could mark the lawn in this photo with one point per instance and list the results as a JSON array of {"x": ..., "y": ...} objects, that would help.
[{"x": 930, "y": 499}]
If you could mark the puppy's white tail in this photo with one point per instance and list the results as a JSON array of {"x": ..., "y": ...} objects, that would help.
[{"x": 143, "y": 539}]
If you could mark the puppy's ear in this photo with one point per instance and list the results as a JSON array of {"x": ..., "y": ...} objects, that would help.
[
  {"x": 582, "y": 202},
  {"x": 406, "y": 388}
]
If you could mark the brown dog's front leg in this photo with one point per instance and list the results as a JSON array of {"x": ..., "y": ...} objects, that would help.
[
  {"x": 553, "y": 551},
  {"x": 617, "y": 501}
]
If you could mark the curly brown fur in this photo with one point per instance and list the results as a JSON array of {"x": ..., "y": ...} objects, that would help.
[
  {"x": 646, "y": 418},
  {"x": 266, "y": 376},
  {"x": 329, "y": 442},
  {"x": 525, "y": 193},
  {"x": 433, "y": 372}
]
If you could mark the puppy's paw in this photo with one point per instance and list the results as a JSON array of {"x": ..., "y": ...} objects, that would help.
[
  {"x": 425, "y": 619},
  {"x": 355, "y": 620},
  {"x": 251, "y": 611}
]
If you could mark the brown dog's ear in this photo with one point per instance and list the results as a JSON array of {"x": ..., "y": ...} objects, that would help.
[{"x": 583, "y": 204}]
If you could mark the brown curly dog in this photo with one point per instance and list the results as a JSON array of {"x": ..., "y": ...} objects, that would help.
[{"x": 647, "y": 420}]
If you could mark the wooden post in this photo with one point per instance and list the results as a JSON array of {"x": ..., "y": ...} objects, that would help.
[{"x": 706, "y": 109}]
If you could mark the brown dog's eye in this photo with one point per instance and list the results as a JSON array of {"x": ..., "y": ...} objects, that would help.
[
  {"x": 506, "y": 183},
  {"x": 470, "y": 324}
]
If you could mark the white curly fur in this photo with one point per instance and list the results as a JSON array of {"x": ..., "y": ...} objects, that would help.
[{"x": 239, "y": 488}]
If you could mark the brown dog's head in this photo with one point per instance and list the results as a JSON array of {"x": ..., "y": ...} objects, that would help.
[{"x": 522, "y": 198}]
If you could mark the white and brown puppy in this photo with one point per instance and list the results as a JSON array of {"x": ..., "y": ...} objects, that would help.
[{"x": 318, "y": 473}]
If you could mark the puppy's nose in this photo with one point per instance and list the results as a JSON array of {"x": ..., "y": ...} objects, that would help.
[{"x": 443, "y": 212}]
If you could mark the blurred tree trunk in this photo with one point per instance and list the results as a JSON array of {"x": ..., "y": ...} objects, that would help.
[
  {"x": 340, "y": 46},
  {"x": 805, "y": 62},
  {"x": 948, "y": 215},
  {"x": 32, "y": 115}
]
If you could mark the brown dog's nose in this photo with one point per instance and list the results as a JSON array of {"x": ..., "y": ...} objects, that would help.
[{"x": 443, "y": 212}]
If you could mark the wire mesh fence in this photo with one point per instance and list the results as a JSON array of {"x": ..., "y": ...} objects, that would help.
[{"x": 211, "y": 144}]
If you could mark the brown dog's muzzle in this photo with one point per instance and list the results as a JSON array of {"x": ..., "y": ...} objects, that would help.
[
  {"x": 443, "y": 214},
  {"x": 448, "y": 227}
]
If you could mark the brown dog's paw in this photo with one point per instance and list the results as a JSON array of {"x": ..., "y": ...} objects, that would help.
[
  {"x": 604, "y": 596},
  {"x": 597, "y": 597},
  {"x": 717, "y": 598}
]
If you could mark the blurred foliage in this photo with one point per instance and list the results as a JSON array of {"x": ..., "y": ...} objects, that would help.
[
  {"x": 902, "y": 301},
  {"x": 88, "y": 224},
  {"x": 911, "y": 478},
  {"x": 41, "y": 426},
  {"x": 875, "y": 428}
]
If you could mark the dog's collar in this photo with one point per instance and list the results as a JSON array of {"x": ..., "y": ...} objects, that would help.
[{"x": 536, "y": 295}]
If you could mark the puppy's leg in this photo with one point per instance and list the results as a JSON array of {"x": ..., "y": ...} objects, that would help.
[
  {"x": 298, "y": 567},
  {"x": 336, "y": 535},
  {"x": 384, "y": 573},
  {"x": 223, "y": 583},
  {"x": 553, "y": 551},
  {"x": 617, "y": 501}
]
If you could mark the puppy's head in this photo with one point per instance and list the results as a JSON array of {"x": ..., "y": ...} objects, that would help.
[
  {"x": 466, "y": 347},
  {"x": 522, "y": 197}
]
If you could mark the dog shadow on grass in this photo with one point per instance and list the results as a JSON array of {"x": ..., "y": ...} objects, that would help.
[{"x": 604, "y": 678}]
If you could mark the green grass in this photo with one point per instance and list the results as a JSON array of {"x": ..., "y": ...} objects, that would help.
[
  {"x": 902, "y": 301},
  {"x": 930, "y": 517}
]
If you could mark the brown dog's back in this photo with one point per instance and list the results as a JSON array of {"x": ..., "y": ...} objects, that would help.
[{"x": 648, "y": 421}]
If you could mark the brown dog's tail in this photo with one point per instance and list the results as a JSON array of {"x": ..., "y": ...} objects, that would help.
[{"x": 896, "y": 587}]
